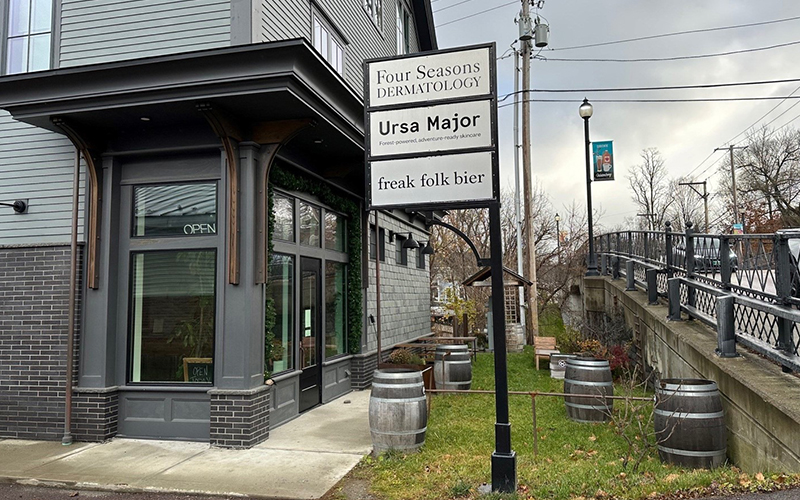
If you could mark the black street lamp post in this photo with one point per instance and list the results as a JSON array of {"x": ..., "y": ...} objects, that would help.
[{"x": 585, "y": 110}]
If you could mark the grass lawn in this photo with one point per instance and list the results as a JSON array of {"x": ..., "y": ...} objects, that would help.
[{"x": 575, "y": 460}]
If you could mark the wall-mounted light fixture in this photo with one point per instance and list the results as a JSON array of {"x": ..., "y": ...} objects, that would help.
[
  {"x": 427, "y": 249},
  {"x": 19, "y": 206},
  {"x": 410, "y": 242}
]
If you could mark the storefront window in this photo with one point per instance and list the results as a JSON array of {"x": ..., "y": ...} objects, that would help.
[
  {"x": 283, "y": 210},
  {"x": 335, "y": 311},
  {"x": 334, "y": 232},
  {"x": 310, "y": 226},
  {"x": 173, "y": 316},
  {"x": 175, "y": 210},
  {"x": 281, "y": 290}
]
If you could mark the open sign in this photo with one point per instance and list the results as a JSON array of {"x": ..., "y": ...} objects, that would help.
[{"x": 200, "y": 229}]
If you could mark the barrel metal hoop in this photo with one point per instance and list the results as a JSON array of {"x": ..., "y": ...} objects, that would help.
[
  {"x": 667, "y": 413},
  {"x": 398, "y": 386},
  {"x": 400, "y": 400},
  {"x": 586, "y": 407},
  {"x": 594, "y": 384},
  {"x": 402, "y": 433},
  {"x": 690, "y": 453},
  {"x": 686, "y": 394},
  {"x": 590, "y": 368}
]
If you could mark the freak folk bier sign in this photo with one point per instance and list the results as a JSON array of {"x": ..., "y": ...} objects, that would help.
[{"x": 431, "y": 129}]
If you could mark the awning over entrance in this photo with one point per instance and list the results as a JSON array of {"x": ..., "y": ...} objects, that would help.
[
  {"x": 249, "y": 85},
  {"x": 279, "y": 95}
]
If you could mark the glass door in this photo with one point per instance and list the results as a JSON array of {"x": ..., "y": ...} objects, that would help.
[{"x": 310, "y": 344}]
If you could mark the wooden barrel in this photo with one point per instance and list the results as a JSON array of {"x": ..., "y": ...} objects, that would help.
[
  {"x": 558, "y": 364},
  {"x": 452, "y": 367},
  {"x": 398, "y": 416},
  {"x": 589, "y": 376},
  {"x": 689, "y": 423}
]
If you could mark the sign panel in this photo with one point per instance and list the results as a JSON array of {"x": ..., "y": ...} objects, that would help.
[
  {"x": 431, "y": 129},
  {"x": 432, "y": 77},
  {"x": 603, "y": 153},
  {"x": 433, "y": 179},
  {"x": 444, "y": 127}
]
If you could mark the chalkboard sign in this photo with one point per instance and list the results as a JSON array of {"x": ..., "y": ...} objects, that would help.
[{"x": 198, "y": 370}]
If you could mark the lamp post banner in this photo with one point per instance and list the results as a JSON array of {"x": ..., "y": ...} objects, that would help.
[
  {"x": 603, "y": 154},
  {"x": 430, "y": 125}
]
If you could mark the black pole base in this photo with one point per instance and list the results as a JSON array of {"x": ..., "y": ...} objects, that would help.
[{"x": 504, "y": 472}]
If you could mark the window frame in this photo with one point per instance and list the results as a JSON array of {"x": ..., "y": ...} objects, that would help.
[
  {"x": 132, "y": 214},
  {"x": 129, "y": 355},
  {"x": 335, "y": 39},
  {"x": 374, "y": 10},
  {"x": 403, "y": 26},
  {"x": 54, "y": 32}
]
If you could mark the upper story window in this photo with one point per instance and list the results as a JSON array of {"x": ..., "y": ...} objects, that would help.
[
  {"x": 328, "y": 44},
  {"x": 375, "y": 11},
  {"x": 28, "y": 35},
  {"x": 403, "y": 29}
]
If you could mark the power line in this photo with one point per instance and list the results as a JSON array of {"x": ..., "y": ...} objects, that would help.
[
  {"x": 672, "y": 87},
  {"x": 688, "y": 32},
  {"x": 451, "y": 6},
  {"x": 699, "y": 99},
  {"x": 478, "y": 13},
  {"x": 675, "y": 58}
]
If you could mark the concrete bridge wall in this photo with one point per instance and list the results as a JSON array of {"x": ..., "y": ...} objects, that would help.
[{"x": 762, "y": 404}]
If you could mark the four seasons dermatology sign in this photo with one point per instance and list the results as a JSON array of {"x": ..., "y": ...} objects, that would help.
[{"x": 431, "y": 129}]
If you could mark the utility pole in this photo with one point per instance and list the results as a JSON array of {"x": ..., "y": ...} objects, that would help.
[
  {"x": 530, "y": 248},
  {"x": 704, "y": 196},
  {"x": 736, "y": 212},
  {"x": 517, "y": 208}
]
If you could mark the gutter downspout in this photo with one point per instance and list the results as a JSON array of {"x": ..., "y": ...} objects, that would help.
[{"x": 73, "y": 274}]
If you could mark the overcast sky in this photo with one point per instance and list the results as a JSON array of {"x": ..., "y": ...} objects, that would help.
[{"x": 685, "y": 133}]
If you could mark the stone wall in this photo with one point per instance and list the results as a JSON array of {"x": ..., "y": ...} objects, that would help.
[{"x": 761, "y": 403}]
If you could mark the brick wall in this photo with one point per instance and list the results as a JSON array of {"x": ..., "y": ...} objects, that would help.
[
  {"x": 239, "y": 419},
  {"x": 34, "y": 294},
  {"x": 95, "y": 415},
  {"x": 361, "y": 368}
]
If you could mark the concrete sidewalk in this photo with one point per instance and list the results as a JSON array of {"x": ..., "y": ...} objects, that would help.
[{"x": 302, "y": 459}]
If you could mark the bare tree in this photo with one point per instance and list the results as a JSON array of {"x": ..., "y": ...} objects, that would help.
[
  {"x": 687, "y": 206},
  {"x": 767, "y": 174},
  {"x": 651, "y": 188}
]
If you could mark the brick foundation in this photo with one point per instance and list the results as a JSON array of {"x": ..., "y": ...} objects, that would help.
[
  {"x": 239, "y": 419},
  {"x": 95, "y": 414}
]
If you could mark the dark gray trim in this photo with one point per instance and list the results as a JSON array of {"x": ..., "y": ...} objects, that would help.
[
  {"x": 426, "y": 31},
  {"x": 256, "y": 70},
  {"x": 55, "y": 36},
  {"x": 242, "y": 22}
]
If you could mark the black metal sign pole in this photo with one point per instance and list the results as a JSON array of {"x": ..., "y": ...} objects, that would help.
[{"x": 504, "y": 460}]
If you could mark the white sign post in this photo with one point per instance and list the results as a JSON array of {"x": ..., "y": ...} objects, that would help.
[{"x": 431, "y": 126}]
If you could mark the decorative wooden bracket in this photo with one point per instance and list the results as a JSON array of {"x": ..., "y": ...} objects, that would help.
[
  {"x": 95, "y": 171},
  {"x": 271, "y": 136},
  {"x": 230, "y": 136}
]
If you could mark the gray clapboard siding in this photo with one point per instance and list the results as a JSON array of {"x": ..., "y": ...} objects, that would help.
[
  {"x": 285, "y": 20},
  {"x": 35, "y": 165},
  {"x": 94, "y": 31},
  {"x": 292, "y": 19}
]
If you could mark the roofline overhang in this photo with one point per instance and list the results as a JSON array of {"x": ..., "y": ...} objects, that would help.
[{"x": 291, "y": 65}]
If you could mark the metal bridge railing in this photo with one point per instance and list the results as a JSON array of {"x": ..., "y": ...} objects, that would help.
[{"x": 747, "y": 287}]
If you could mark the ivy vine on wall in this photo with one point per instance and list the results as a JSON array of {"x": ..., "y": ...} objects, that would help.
[{"x": 291, "y": 181}]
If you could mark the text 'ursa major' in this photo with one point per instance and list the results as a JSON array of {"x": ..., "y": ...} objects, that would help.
[{"x": 454, "y": 123}]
